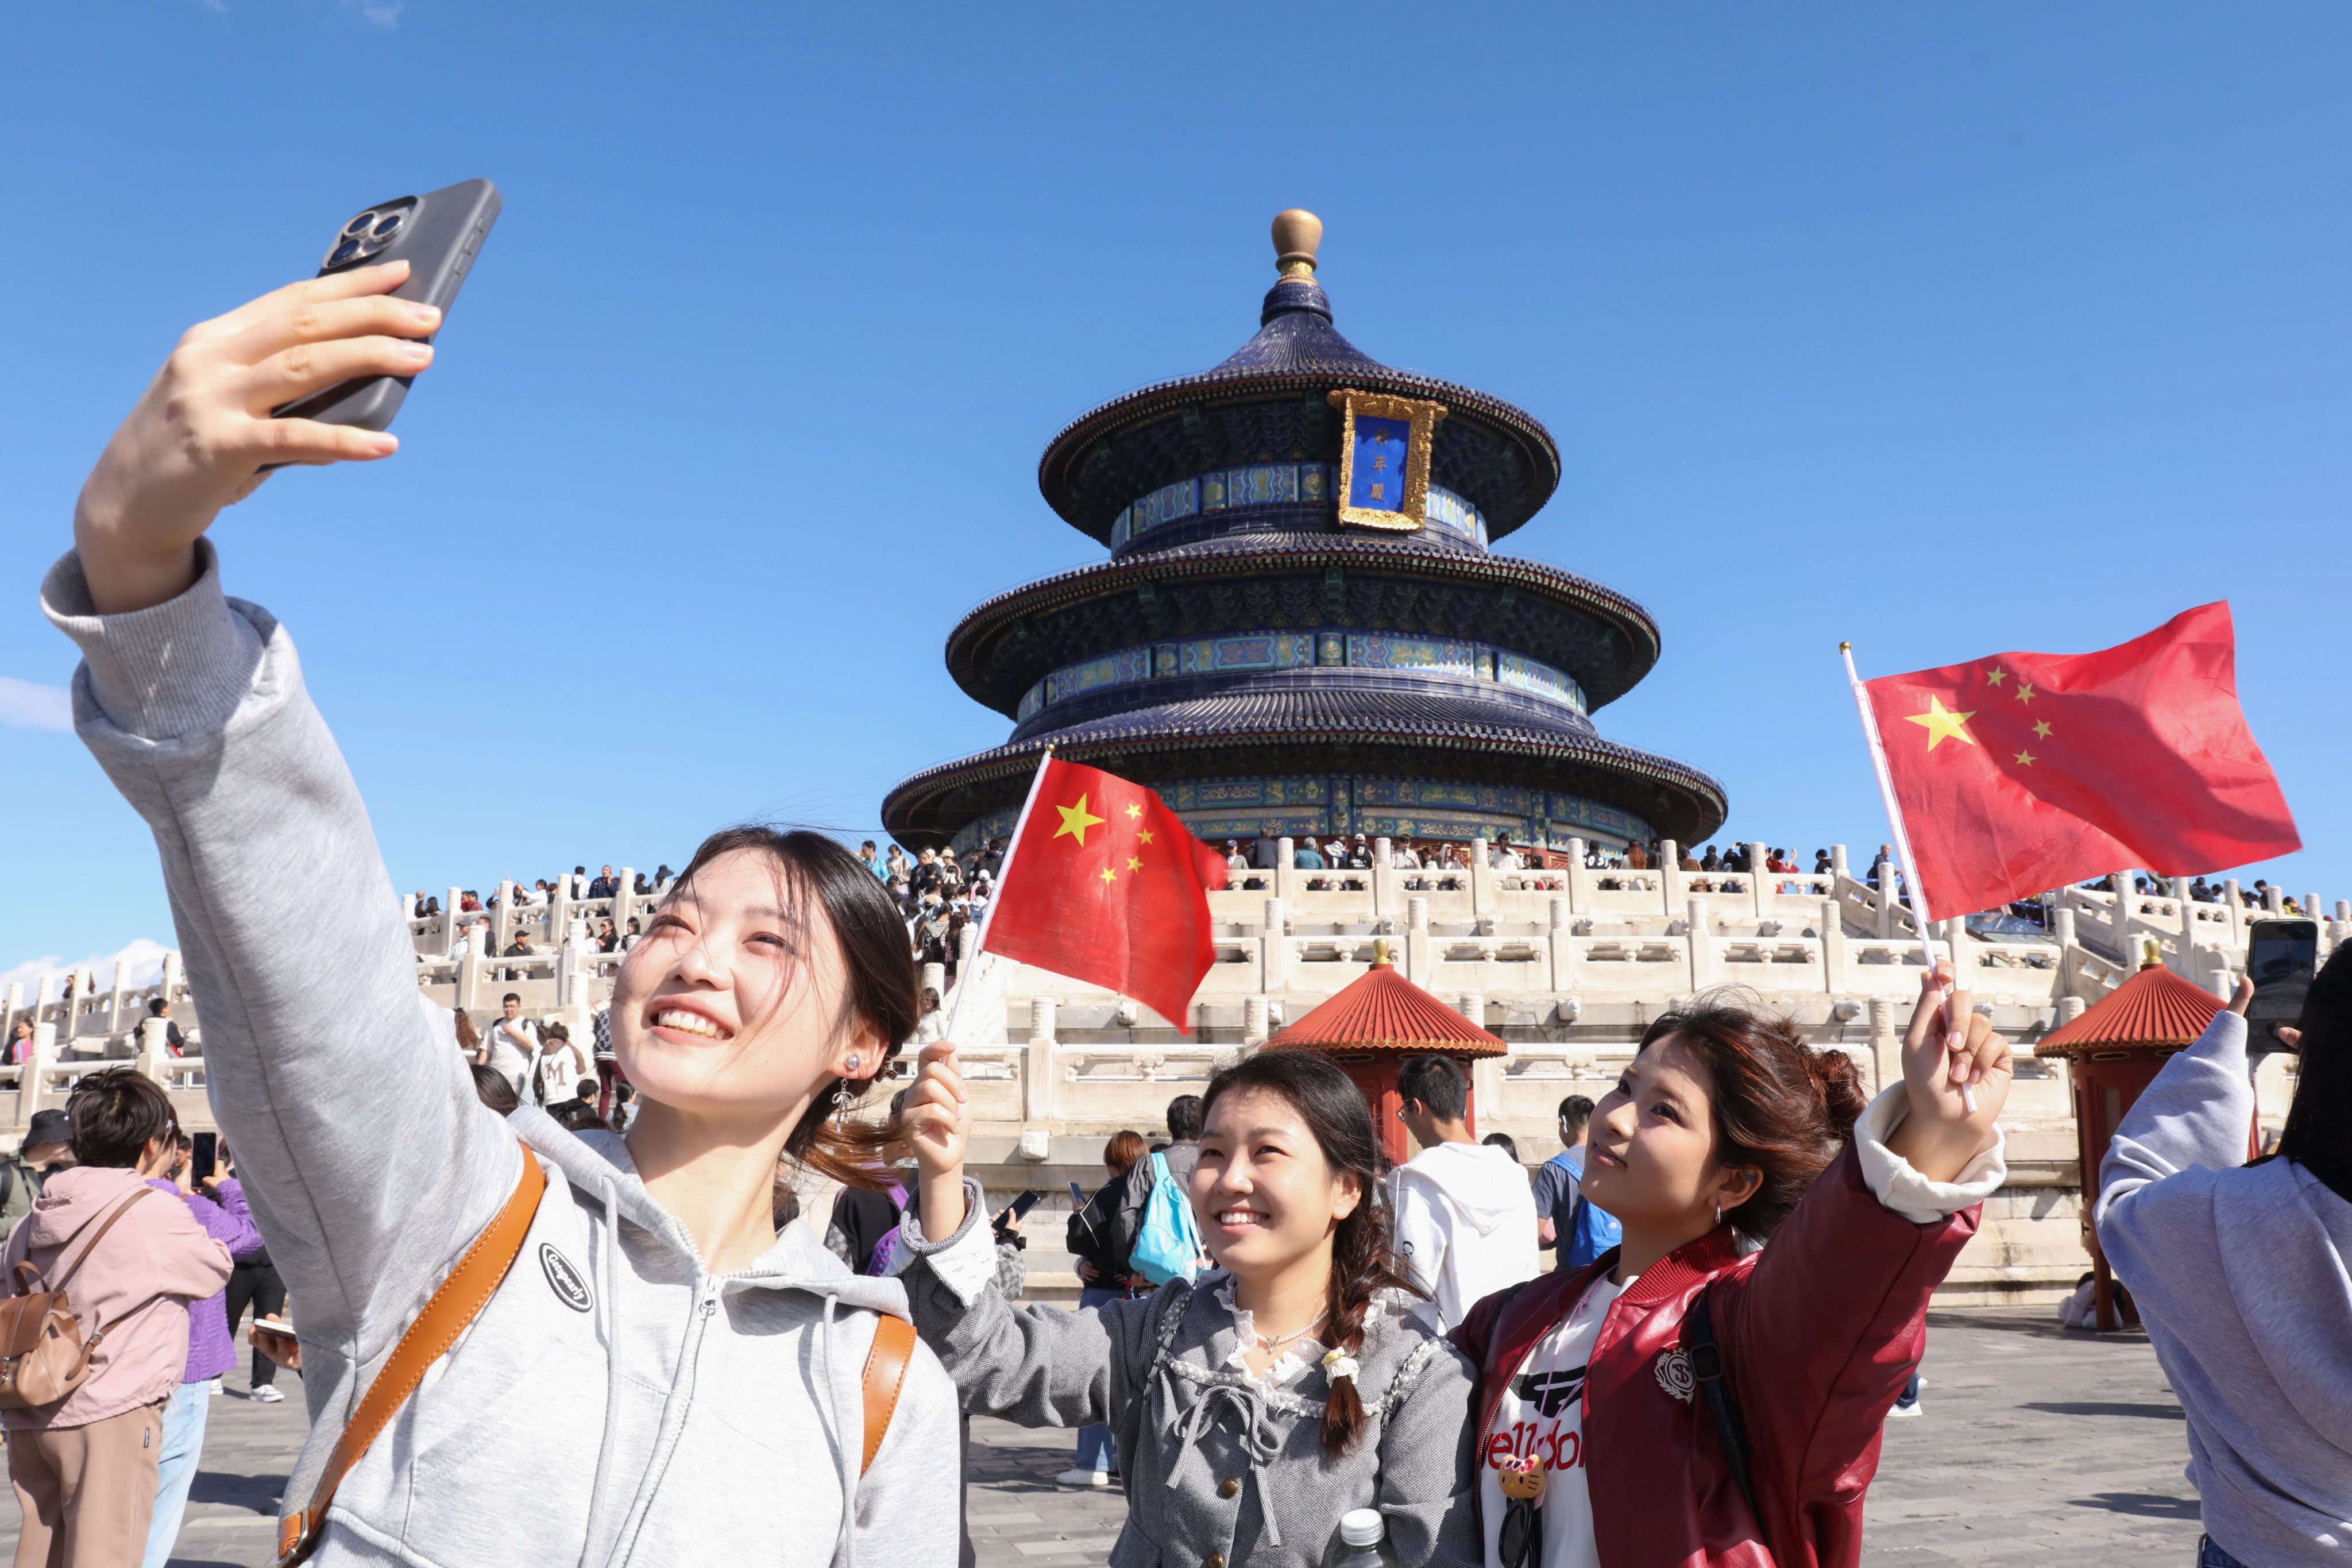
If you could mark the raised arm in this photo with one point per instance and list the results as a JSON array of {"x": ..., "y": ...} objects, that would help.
[
  {"x": 2198, "y": 1113},
  {"x": 370, "y": 1162},
  {"x": 1823, "y": 1332}
]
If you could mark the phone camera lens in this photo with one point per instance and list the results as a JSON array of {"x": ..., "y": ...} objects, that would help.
[
  {"x": 388, "y": 227},
  {"x": 358, "y": 226},
  {"x": 343, "y": 252}
]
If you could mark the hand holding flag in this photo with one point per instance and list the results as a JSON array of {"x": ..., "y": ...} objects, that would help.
[{"x": 1955, "y": 1075}]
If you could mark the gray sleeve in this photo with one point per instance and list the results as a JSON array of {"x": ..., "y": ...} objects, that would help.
[
  {"x": 368, "y": 1162},
  {"x": 2198, "y": 1111},
  {"x": 1428, "y": 1446},
  {"x": 1037, "y": 1365}
]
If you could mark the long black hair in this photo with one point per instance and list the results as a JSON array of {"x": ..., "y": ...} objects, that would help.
[
  {"x": 879, "y": 991},
  {"x": 1363, "y": 1261},
  {"x": 2319, "y": 1131}
]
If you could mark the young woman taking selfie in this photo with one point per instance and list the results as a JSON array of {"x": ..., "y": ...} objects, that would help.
[
  {"x": 1288, "y": 1385},
  {"x": 1595, "y": 1405},
  {"x": 661, "y": 1374}
]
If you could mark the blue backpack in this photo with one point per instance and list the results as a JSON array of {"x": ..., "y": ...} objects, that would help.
[
  {"x": 1169, "y": 1245},
  {"x": 1594, "y": 1230}
]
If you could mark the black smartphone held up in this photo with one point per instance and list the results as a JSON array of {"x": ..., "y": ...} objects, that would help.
[
  {"x": 1078, "y": 1196},
  {"x": 1024, "y": 1202},
  {"x": 204, "y": 1160},
  {"x": 2281, "y": 956},
  {"x": 438, "y": 234}
]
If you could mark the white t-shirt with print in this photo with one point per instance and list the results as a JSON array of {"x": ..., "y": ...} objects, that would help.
[{"x": 1542, "y": 1413}]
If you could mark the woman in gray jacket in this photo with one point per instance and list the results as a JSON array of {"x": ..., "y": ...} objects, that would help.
[
  {"x": 666, "y": 1378},
  {"x": 2238, "y": 1272},
  {"x": 1288, "y": 1386}
]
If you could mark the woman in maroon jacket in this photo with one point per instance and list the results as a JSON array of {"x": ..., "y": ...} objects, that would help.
[{"x": 1725, "y": 1130}]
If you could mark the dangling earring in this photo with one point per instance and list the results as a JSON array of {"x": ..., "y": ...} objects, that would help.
[
  {"x": 1718, "y": 1214},
  {"x": 843, "y": 1098}
]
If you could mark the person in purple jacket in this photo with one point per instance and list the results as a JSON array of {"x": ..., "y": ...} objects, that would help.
[{"x": 211, "y": 1352}]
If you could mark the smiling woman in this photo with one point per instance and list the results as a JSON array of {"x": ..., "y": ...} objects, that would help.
[
  {"x": 675, "y": 1374},
  {"x": 1251, "y": 1409}
]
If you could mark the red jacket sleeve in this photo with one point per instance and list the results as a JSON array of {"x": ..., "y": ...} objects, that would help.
[{"x": 1821, "y": 1334}]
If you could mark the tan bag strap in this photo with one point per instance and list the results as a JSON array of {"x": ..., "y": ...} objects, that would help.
[
  {"x": 885, "y": 1375},
  {"x": 458, "y": 1300},
  {"x": 83, "y": 1257}
]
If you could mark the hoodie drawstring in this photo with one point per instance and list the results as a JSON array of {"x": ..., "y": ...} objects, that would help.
[{"x": 607, "y": 1445}]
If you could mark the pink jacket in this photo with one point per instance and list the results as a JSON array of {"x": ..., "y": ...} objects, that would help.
[{"x": 158, "y": 1249}]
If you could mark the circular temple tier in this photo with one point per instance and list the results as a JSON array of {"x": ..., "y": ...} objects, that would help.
[{"x": 1292, "y": 639}]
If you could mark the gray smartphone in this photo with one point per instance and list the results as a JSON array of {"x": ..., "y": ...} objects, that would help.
[
  {"x": 2281, "y": 957},
  {"x": 438, "y": 234}
]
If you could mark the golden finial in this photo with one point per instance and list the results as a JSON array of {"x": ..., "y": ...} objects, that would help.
[
  {"x": 1297, "y": 234},
  {"x": 1379, "y": 950}
]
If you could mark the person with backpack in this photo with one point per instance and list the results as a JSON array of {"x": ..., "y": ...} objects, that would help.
[
  {"x": 84, "y": 1466},
  {"x": 616, "y": 1319},
  {"x": 1254, "y": 1406},
  {"x": 1177, "y": 1157},
  {"x": 2239, "y": 1271},
  {"x": 1566, "y": 1220},
  {"x": 47, "y": 1149},
  {"x": 1689, "y": 1399}
]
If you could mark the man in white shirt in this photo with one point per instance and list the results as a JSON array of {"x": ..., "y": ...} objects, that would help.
[
  {"x": 514, "y": 1044},
  {"x": 1465, "y": 1218}
]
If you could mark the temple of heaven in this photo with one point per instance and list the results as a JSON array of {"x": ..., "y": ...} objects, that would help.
[{"x": 1302, "y": 628}]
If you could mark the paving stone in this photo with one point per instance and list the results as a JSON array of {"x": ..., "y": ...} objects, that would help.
[{"x": 2035, "y": 1446}]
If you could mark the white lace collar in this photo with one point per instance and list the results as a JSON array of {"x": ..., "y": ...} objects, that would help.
[{"x": 1284, "y": 1368}]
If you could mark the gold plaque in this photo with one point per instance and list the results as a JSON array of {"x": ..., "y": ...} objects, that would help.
[{"x": 1384, "y": 458}]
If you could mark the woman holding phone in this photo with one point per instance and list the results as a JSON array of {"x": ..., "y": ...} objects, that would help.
[{"x": 676, "y": 1376}]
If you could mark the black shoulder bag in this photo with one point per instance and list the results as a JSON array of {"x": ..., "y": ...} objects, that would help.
[{"x": 1707, "y": 1366}]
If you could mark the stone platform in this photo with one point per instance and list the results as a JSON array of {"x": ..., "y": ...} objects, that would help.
[{"x": 2035, "y": 1446}]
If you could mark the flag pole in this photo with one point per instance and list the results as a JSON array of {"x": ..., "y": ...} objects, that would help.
[
  {"x": 1902, "y": 839},
  {"x": 1004, "y": 874}
]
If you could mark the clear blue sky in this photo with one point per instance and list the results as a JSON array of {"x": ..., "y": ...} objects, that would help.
[{"x": 1948, "y": 329}]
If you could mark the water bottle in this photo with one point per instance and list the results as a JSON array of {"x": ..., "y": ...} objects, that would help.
[{"x": 1363, "y": 1541}]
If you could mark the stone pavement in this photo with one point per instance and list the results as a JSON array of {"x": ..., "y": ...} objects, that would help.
[{"x": 2035, "y": 1446}]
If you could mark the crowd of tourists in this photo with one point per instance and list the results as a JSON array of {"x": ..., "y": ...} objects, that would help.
[{"x": 1331, "y": 1356}]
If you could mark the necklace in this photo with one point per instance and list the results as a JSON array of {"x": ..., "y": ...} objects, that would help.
[{"x": 1276, "y": 1341}]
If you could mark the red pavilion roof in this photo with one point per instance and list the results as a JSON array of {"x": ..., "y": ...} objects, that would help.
[
  {"x": 2154, "y": 1007},
  {"x": 1383, "y": 1011}
]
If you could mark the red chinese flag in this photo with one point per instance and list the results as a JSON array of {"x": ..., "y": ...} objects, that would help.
[
  {"x": 2029, "y": 771},
  {"x": 1107, "y": 885}
]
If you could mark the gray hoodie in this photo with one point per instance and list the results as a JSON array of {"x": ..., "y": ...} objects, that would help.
[
  {"x": 616, "y": 1402},
  {"x": 2238, "y": 1272}
]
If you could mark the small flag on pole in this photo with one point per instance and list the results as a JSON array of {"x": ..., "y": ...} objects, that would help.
[
  {"x": 1105, "y": 884},
  {"x": 2023, "y": 772}
]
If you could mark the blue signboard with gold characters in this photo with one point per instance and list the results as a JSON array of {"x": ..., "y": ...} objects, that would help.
[{"x": 1384, "y": 460}]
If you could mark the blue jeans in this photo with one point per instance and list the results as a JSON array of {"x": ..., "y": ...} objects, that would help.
[
  {"x": 175, "y": 1469},
  {"x": 2210, "y": 1556},
  {"x": 1096, "y": 1451}
]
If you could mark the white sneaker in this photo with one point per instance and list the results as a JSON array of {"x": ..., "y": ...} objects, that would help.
[
  {"x": 267, "y": 1394},
  {"x": 1083, "y": 1479},
  {"x": 1905, "y": 1411}
]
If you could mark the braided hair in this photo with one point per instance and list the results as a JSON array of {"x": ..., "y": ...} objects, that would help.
[{"x": 1363, "y": 1263}]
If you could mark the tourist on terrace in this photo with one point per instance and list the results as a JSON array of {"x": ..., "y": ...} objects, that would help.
[
  {"x": 1637, "y": 857},
  {"x": 1251, "y": 1407},
  {"x": 514, "y": 1044},
  {"x": 173, "y": 1041},
  {"x": 663, "y": 1378},
  {"x": 865, "y": 853},
  {"x": 1712, "y": 862},
  {"x": 1307, "y": 858},
  {"x": 1823, "y": 865},
  {"x": 1727, "y": 1129},
  {"x": 605, "y": 886},
  {"x": 1234, "y": 859},
  {"x": 2238, "y": 1269},
  {"x": 46, "y": 1151}
]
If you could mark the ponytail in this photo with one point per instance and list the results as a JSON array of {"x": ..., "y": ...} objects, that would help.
[{"x": 1363, "y": 1259}]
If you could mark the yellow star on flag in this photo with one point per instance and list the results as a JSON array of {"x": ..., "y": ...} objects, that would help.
[
  {"x": 1995, "y": 676},
  {"x": 1133, "y": 811},
  {"x": 2040, "y": 728},
  {"x": 1133, "y": 864},
  {"x": 2026, "y": 758},
  {"x": 1940, "y": 721},
  {"x": 1075, "y": 820},
  {"x": 1143, "y": 835},
  {"x": 1108, "y": 875},
  {"x": 2025, "y": 692}
]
